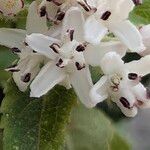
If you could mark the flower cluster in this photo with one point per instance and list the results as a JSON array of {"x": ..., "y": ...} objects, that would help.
[
  {"x": 77, "y": 39},
  {"x": 11, "y": 7}
]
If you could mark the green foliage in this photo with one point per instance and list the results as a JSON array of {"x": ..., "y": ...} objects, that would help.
[
  {"x": 35, "y": 124},
  {"x": 6, "y": 59},
  {"x": 92, "y": 130},
  {"x": 141, "y": 14}
]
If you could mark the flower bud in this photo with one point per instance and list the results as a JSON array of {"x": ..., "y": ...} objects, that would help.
[{"x": 11, "y": 7}]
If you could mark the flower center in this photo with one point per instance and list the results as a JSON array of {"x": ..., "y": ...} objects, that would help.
[
  {"x": 69, "y": 53},
  {"x": 115, "y": 82}
]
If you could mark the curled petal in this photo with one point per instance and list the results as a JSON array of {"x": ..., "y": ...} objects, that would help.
[
  {"x": 145, "y": 32},
  {"x": 99, "y": 91},
  {"x": 94, "y": 53},
  {"x": 74, "y": 20},
  {"x": 82, "y": 83},
  {"x": 35, "y": 23},
  {"x": 94, "y": 30},
  {"x": 141, "y": 67},
  {"x": 129, "y": 35},
  {"x": 49, "y": 76},
  {"x": 112, "y": 63},
  {"x": 12, "y": 37},
  {"x": 29, "y": 65},
  {"x": 41, "y": 44},
  {"x": 132, "y": 112}
]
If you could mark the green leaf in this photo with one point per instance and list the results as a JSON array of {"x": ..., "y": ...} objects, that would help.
[
  {"x": 92, "y": 130},
  {"x": 1, "y": 139},
  {"x": 6, "y": 59},
  {"x": 141, "y": 14},
  {"x": 35, "y": 124},
  {"x": 118, "y": 142}
]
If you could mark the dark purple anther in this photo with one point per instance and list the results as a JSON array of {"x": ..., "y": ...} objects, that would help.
[
  {"x": 106, "y": 15},
  {"x": 125, "y": 102}
]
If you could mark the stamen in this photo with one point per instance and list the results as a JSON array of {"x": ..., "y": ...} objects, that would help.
[
  {"x": 79, "y": 67},
  {"x": 132, "y": 76},
  {"x": 55, "y": 47},
  {"x": 25, "y": 43},
  {"x": 43, "y": 11},
  {"x": 80, "y": 48},
  {"x": 26, "y": 78},
  {"x": 34, "y": 51},
  {"x": 60, "y": 61},
  {"x": 71, "y": 34},
  {"x": 59, "y": 16},
  {"x": 106, "y": 15},
  {"x": 86, "y": 6},
  {"x": 125, "y": 102},
  {"x": 16, "y": 50}
]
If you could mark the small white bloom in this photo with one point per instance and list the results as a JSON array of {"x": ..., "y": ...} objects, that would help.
[
  {"x": 55, "y": 9},
  {"x": 29, "y": 63},
  {"x": 67, "y": 58},
  {"x": 112, "y": 16},
  {"x": 121, "y": 83},
  {"x": 145, "y": 32},
  {"x": 11, "y": 7}
]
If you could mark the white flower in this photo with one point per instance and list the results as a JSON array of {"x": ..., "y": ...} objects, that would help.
[
  {"x": 121, "y": 83},
  {"x": 67, "y": 58},
  {"x": 11, "y": 7},
  {"x": 29, "y": 62},
  {"x": 55, "y": 9},
  {"x": 145, "y": 32},
  {"x": 112, "y": 16}
]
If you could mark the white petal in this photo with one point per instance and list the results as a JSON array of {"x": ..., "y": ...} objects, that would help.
[
  {"x": 49, "y": 76},
  {"x": 94, "y": 53},
  {"x": 129, "y": 96},
  {"x": 141, "y": 67},
  {"x": 94, "y": 30},
  {"x": 140, "y": 92},
  {"x": 128, "y": 112},
  {"x": 51, "y": 9},
  {"x": 30, "y": 64},
  {"x": 22, "y": 85},
  {"x": 66, "y": 83},
  {"x": 35, "y": 23},
  {"x": 112, "y": 63},
  {"x": 99, "y": 91},
  {"x": 129, "y": 35},
  {"x": 12, "y": 37},
  {"x": 145, "y": 32},
  {"x": 82, "y": 83},
  {"x": 41, "y": 44},
  {"x": 123, "y": 7},
  {"x": 55, "y": 31},
  {"x": 74, "y": 19}
]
